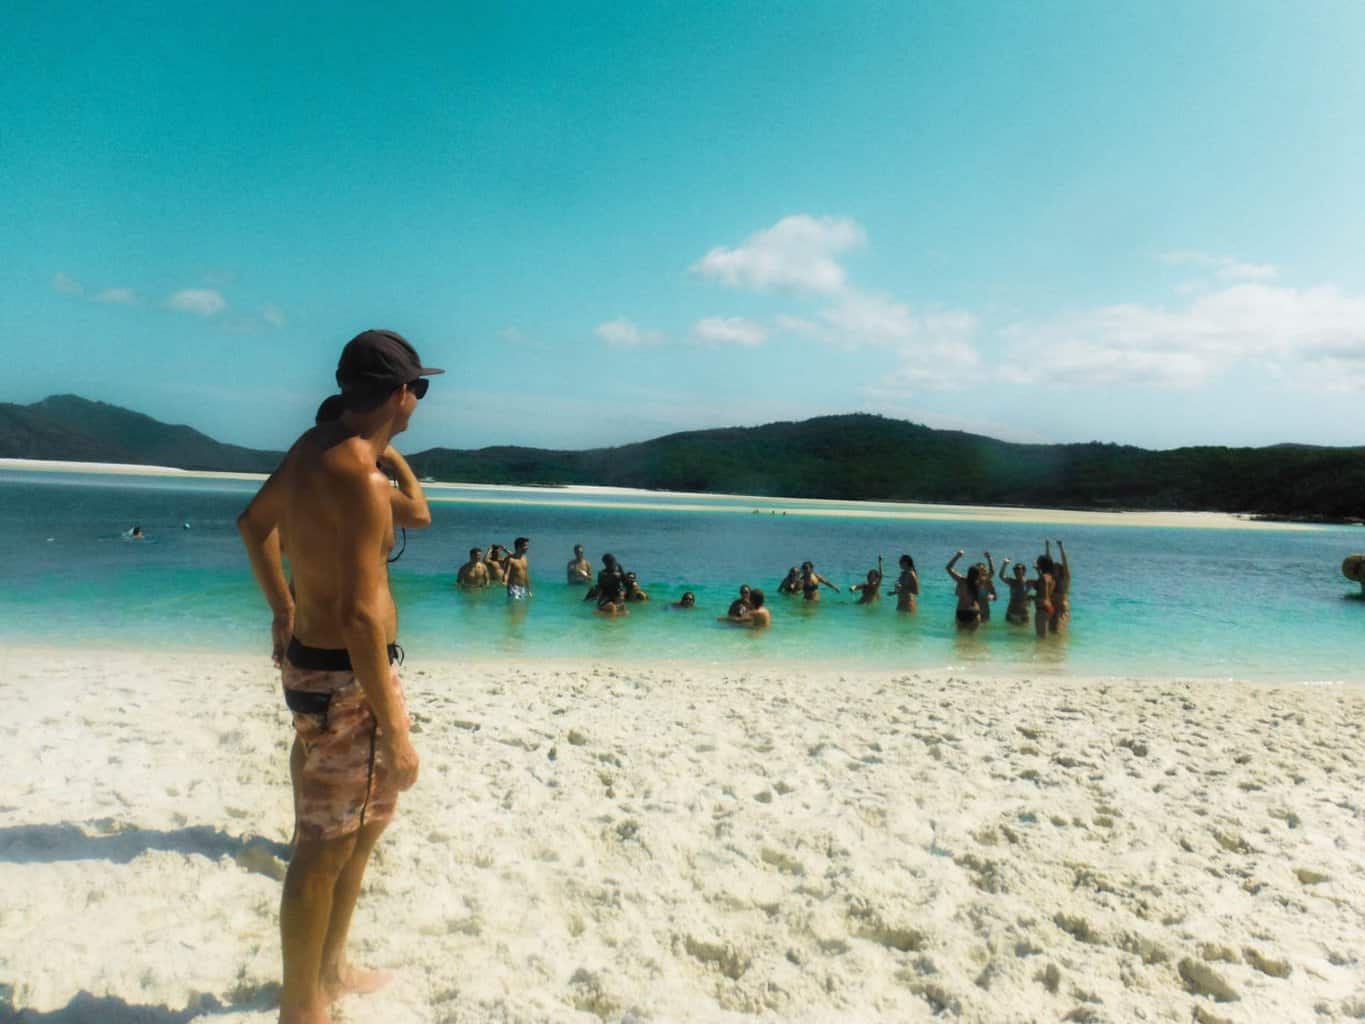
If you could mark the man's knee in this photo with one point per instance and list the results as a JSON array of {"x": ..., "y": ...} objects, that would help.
[{"x": 318, "y": 862}]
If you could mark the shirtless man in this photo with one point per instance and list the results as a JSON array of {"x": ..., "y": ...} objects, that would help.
[
  {"x": 749, "y": 612},
  {"x": 518, "y": 571},
  {"x": 473, "y": 575},
  {"x": 328, "y": 508},
  {"x": 579, "y": 568}
]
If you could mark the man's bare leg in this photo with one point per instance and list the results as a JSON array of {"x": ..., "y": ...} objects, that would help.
[
  {"x": 305, "y": 911},
  {"x": 296, "y": 759},
  {"x": 338, "y": 976}
]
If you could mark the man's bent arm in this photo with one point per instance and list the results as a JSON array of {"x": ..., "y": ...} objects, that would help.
[
  {"x": 363, "y": 524},
  {"x": 259, "y": 527},
  {"x": 410, "y": 503}
]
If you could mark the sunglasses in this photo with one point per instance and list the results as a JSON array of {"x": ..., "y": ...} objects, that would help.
[{"x": 419, "y": 388}]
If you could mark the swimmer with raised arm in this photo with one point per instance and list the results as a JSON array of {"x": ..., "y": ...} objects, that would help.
[
  {"x": 1061, "y": 592},
  {"x": 1042, "y": 587},
  {"x": 1017, "y": 612},
  {"x": 907, "y": 586},
  {"x": 871, "y": 591},
  {"x": 985, "y": 573},
  {"x": 968, "y": 613}
]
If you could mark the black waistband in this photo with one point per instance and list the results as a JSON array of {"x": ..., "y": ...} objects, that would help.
[{"x": 327, "y": 659}]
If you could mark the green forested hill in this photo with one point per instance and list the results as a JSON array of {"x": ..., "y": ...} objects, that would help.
[{"x": 847, "y": 457}]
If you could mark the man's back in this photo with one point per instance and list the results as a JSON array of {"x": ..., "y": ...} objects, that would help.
[{"x": 322, "y": 477}]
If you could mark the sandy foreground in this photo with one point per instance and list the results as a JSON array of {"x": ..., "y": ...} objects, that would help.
[{"x": 698, "y": 844}]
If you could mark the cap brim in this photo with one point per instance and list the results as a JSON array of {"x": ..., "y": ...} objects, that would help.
[{"x": 428, "y": 371}]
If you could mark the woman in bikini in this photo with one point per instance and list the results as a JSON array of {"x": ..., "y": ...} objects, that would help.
[
  {"x": 1061, "y": 590},
  {"x": 968, "y": 596},
  {"x": 812, "y": 581},
  {"x": 1017, "y": 612},
  {"x": 1042, "y": 588},
  {"x": 907, "y": 586},
  {"x": 871, "y": 590}
]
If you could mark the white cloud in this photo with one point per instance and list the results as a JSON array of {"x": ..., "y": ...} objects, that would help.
[
  {"x": 731, "y": 330},
  {"x": 199, "y": 301},
  {"x": 864, "y": 318},
  {"x": 273, "y": 315},
  {"x": 1316, "y": 330},
  {"x": 120, "y": 296},
  {"x": 795, "y": 254},
  {"x": 1225, "y": 268},
  {"x": 62, "y": 283},
  {"x": 622, "y": 333}
]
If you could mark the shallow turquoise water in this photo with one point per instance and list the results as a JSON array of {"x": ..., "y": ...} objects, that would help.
[{"x": 1250, "y": 604}]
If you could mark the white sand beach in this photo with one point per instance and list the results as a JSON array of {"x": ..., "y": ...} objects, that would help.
[{"x": 698, "y": 844}]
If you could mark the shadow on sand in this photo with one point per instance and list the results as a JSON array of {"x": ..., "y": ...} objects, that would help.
[
  {"x": 87, "y": 1009},
  {"x": 48, "y": 844}
]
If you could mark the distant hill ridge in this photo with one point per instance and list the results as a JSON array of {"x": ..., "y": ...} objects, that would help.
[{"x": 855, "y": 456}]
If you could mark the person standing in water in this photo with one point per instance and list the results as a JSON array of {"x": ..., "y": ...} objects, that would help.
[
  {"x": 327, "y": 508},
  {"x": 907, "y": 586},
  {"x": 519, "y": 571},
  {"x": 985, "y": 574},
  {"x": 968, "y": 613},
  {"x": 1042, "y": 594},
  {"x": 473, "y": 575},
  {"x": 1017, "y": 612},
  {"x": 871, "y": 591},
  {"x": 812, "y": 581},
  {"x": 579, "y": 569},
  {"x": 1061, "y": 590}
]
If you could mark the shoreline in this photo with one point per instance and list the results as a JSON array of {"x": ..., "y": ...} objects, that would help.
[
  {"x": 580, "y": 496},
  {"x": 703, "y": 845}
]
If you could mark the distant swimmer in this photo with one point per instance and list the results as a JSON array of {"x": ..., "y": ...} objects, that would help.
[
  {"x": 519, "y": 571},
  {"x": 579, "y": 568},
  {"x": 136, "y": 534},
  {"x": 688, "y": 600},
  {"x": 985, "y": 573},
  {"x": 812, "y": 581},
  {"x": 1017, "y": 612},
  {"x": 907, "y": 586},
  {"x": 791, "y": 583},
  {"x": 633, "y": 590},
  {"x": 968, "y": 597},
  {"x": 1061, "y": 592},
  {"x": 1042, "y": 586},
  {"x": 871, "y": 591},
  {"x": 473, "y": 575},
  {"x": 741, "y": 605},
  {"x": 753, "y": 614}
]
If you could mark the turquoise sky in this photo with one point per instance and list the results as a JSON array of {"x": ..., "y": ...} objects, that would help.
[{"x": 1135, "y": 222}]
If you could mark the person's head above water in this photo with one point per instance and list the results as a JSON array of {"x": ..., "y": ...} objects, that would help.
[
  {"x": 475, "y": 554},
  {"x": 745, "y": 590},
  {"x": 609, "y": 560},
  {"x": 756, "y": 598},
  {"x": 578, "y": 550},
  {"x": 1020, "y": 569},
  {"x": 688, "y": 599},
  {"x": 374, "y": 365},
  {"x": 1044, "y": 564},
  {"x": 807, "y": 566},
  {"x": 907, "y": 562},
  {"x": 521, "y": 544}
]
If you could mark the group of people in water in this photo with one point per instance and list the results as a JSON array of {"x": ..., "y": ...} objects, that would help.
[{"x": 1043, "y": 598}]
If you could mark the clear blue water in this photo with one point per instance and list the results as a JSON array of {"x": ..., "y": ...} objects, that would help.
[{"x": 1250, "y": 604}]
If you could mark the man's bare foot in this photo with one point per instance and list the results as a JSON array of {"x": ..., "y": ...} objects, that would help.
[{"x": 353, "y": 981}]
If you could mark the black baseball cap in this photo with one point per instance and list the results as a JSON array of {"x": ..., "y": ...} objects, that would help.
[{"x": 376, "y": 362}]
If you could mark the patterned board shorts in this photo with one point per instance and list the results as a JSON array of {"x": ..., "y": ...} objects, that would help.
[{"x": 341, "y": 786}]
